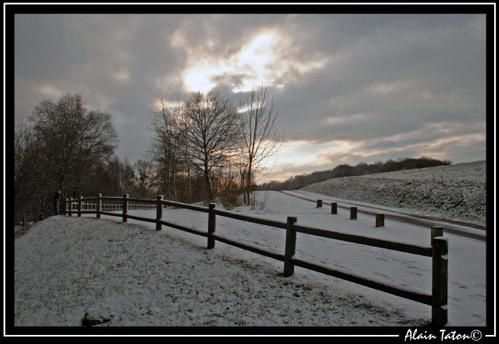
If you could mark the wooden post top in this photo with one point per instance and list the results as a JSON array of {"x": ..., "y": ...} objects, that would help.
[{"x": 436, "y": 231}]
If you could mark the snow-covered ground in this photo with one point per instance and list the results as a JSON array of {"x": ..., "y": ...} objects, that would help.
[
  {"x": 455, "y": 191},
  {"x": 94, "y": 266},
  {"x": 111, "y": 274}
]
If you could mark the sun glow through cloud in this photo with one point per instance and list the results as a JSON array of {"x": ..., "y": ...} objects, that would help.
[{"x": 262, "y": 61}]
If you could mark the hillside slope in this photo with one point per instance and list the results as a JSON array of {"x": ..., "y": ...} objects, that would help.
[{"x": 455, "y": 191}]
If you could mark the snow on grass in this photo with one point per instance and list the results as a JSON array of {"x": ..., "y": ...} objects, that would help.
[
  {"x": 454, "y": 191},
  {"x": 466, "y": 255},
  {"x": 112, "y": 274},
  {"x": 249, "y": 284}
]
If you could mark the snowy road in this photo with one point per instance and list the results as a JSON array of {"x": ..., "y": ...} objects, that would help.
[{"x": 471, "y": 230}]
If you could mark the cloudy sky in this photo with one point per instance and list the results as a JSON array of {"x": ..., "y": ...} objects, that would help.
[{"x": 349, "y": 88}]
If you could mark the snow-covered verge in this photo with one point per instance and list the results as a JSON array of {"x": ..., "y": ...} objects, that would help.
[
  {"x": 455, "y": 191},
  {"x": 467, "y": 275},
  {"x": 99, "y": 272}
]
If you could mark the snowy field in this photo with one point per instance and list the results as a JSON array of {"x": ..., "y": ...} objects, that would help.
[
  {"x": 454, "y": 191},
  {"x": 132, "y": 275}
]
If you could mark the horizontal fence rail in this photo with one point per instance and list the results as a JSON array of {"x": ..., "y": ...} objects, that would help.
[
  {"x": 250, "y": 248},
  {"x": 391, "y": 245},
  {"x": 438, "y": 251},
  {"x": 394, "y": 290},
  {"x": 185, "y": 206},
  {"x": 252, "y": 219}
]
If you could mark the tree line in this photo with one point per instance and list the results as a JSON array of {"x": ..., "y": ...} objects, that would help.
[
  {"x": 204, "y": 149},
  {"x": 345, "y": 170}
]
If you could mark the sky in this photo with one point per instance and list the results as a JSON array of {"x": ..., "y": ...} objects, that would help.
[{"x": 349, "y": 88}]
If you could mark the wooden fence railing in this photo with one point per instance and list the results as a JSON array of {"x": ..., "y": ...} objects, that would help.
[{"x": 438, "y": 251}]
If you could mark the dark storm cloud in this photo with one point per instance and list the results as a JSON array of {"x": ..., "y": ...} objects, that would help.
[
  {"x": 437, "y": 70},
  {"x": 393, "y": 85},
  {"x": 114, "y": 61}
]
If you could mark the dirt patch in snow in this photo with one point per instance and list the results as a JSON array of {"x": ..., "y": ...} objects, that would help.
[
  {"x": 455, "y": 191},
  {"x": 88, "y": 272}
]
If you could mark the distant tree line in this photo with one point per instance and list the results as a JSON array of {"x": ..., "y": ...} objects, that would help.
[
  {"x": 206, "y": 149},
  {"x": 344, "y": 170}
]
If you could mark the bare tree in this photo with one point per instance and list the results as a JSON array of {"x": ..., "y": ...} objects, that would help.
[
  {"x": 65, "y": 143},
  {"x": 71, "y": 139},
  {"x": 260, "y": 138},
  {"x": 211, "y": 134},
  {"x": 166, "y": 146}
]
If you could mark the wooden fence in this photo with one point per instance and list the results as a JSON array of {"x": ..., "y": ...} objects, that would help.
[{"x": 438, "y": 251}]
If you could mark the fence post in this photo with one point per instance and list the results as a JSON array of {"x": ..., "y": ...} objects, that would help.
[
  {"x": 436, "y": 231},
  {"x": 353, "y": 213},
  {"x": 125, "y": 207},
  {"x": 98, "y": 206},
  {"x": 289, "y": 250},
  {"x": 211, "y": 224},
  {"x": 80, "y": 199},
  {"x": 380, "y": 220},
  {"x": 159, "y": 212},
  {"x": 439, "y": 283},
  {"x": 334, "y": 208},
  {"x": 70, "y": 206},
  {"x": 319, "y": 203},
  {"x": 65, "y": 206}
]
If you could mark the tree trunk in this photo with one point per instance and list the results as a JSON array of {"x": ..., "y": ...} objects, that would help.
[
  {"x": 208, "y": 186},
  {"x": 42, "y": 206},
  {"x": 174, "y": 172},
  {"x": 208, "y": 182},
  {"x": 206, "y": 173},
  {"x": 248, "y": 181},
  {"x": 23, "y": 214},
  {"x": 189, "y": 184}
]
